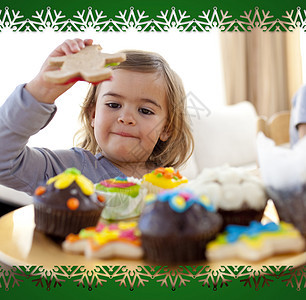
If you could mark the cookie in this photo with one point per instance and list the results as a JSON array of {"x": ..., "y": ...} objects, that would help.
[
  {"x": 121, "y": 240},
  {"x": 89, "y": 64},
  {"x": 255, "y": 242}
]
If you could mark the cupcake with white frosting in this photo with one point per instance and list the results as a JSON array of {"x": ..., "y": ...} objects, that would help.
[{"x": 236, "y": 194}]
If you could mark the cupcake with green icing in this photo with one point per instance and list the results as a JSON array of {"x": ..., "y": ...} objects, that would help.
[
  {"x": 123, "y": 197},
  {"x": 66, "y": 204}
]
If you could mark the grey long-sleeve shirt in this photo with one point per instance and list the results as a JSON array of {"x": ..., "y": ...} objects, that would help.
[{"x": 24, "y": 168}]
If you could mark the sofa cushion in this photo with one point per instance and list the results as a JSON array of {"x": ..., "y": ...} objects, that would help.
[
  {"x": 190, "y": 169},
  {"x": 225, "y": 135}
]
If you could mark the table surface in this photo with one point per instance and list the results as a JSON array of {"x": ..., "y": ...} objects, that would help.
[{"x": 21, "y": 244}]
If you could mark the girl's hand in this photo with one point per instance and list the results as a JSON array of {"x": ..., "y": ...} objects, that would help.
[{"x": 47, "y": 92}]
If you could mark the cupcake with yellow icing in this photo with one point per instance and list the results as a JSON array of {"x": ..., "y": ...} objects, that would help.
[
  {"x": 163, "y": 179},
  {"x": 66, "y": 204},
  {"x": 123, "y": 197}
]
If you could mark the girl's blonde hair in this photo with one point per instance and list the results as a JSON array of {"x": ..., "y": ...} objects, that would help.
[{"x": 178, "y": 148}]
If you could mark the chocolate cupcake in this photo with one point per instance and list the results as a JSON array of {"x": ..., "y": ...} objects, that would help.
[
  {"x": 66, "y": 204},
  {"x": 291, "y": 205},
  {"x": 238, "y": 196},
  {"x": 175, "y": 227}
]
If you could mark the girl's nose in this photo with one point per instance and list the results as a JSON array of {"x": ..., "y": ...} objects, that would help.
[{"x": 126, "y": 119}]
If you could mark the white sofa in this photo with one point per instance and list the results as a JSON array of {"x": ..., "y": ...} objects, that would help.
[
  {"x": 14, "y": 198},
  {"x": 223, "y": 135}
]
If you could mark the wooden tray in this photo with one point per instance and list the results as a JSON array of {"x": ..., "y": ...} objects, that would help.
[{"x": 21, "y": 244}]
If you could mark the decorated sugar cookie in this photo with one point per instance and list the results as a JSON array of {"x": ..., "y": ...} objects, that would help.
[
  {"x": 255, "y": 242},
  {"x": 106, "y": 241},
  {"x": 89, "y": 64}
]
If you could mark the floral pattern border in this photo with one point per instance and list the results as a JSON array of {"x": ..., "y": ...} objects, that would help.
[
  {"x": 168, "y": 277},
  {"x": 135, "y": 20}
]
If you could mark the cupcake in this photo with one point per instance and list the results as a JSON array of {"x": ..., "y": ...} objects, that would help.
[
  {"x": 291, "y": 205},
  {"x": 255, "y": 242},
  {"x": 121, "y": 240},
  {"x": 238, "y": 196},
  {"x": 283, "y": 171},
  {"x": 66, "y": 204},
  {"x": 123, "y": 197},
  {"x": 175, "y": 226},
  {"x": 162, "y": 179}
]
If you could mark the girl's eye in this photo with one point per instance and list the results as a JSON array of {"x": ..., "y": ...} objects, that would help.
[
  {"x": 146, "y": 111},
  {"x": 113, "y": 105}
]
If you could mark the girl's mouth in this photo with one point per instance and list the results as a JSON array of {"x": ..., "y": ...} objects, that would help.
[{"x": 125, "y": 134}]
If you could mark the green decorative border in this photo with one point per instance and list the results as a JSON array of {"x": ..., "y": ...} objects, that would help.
[
  {"x": 138, "y": 20},
  {"x": 142, "y": 276},
  {"x": 193, "y": 16}
]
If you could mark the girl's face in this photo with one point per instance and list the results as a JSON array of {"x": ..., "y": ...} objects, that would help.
[{"x": 130, "y": 115}]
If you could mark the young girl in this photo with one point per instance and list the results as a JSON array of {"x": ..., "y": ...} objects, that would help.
[{"x": 132, "y": 124}]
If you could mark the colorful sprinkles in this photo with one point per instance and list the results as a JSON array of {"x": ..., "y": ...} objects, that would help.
[
  {"x": 119, "y": 185},
  {"x": 103, "y": 234},
  {"x": 119, "y": 182},
  {"x": 165, "y": 178},
  {"x": 168, "y": 173},
  {"x": 180, "y": 200}
]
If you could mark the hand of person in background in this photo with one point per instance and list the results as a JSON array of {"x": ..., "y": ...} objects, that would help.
[
  {"x": 47, "y": 92},
  {"x": 302, "y": 130}
]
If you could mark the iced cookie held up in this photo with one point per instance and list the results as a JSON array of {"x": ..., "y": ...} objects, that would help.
[{"x": 89, "y": 64}]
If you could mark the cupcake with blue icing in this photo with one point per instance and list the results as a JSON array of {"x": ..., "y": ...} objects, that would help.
[
  {"x": 123, "y": 197},
  {"x": 176, "y": 225}
]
